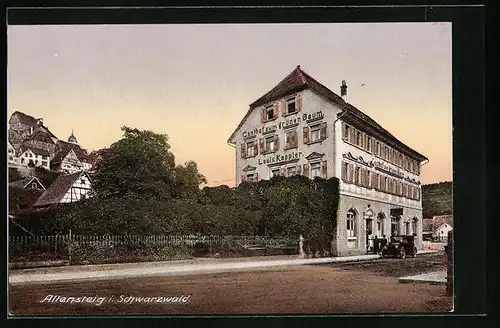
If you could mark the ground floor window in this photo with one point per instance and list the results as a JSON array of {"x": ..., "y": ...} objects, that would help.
[
  {"x": 407, "y": 224},
  {"x": 351, "y": 232},
  {"x": 275, "y": 172},
  {"x": 251, "y": 177},
  {"x": 394, "y": 226},
  {"x": 414, "y": 226}
]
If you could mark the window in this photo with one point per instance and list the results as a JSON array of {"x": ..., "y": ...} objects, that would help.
[
  {"x": 44, "y": 163},
  {"x": 251, "y": 177},
  {"x": 414, "y": 226},
  {"x": 269, "y": 144},
  {"x": 22, "y": 160},
  {"x": 83, "y": 181},
  {"x": 11, "y": 158},
  {"x": 358, "y": 138},
  {"x": 356, "y": 176},
  {"x": 347, "y": 129},
  {"x": 31, "y": 155},
  {"x": 344, "y": 173},
  {"x": 292, "y": 170},
  {"x": 34, "y": 186},
  {"x": 291, "y": 139},
  {"x": 291, "y": 106},
  {"x": 315, "y": 133},
  {"x": 369, "y": 144},
  {"x": 377, "y": 150},
  {"x": 394, "y": 226},
  {"x": 250, "y": 149},
  {"x": 269, "y": 113},
  {"x": 25, "y": 154},
  {"x": 316, "y": 170},
  {"x": 351, "y": 231},
  {"x": 275, "y": 172}
]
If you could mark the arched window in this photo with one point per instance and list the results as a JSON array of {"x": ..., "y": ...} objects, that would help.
[
  {"x": 351, "y": 224},
  {"x": 380, "y": 224},
  {"x": 394, "y": 225},
  {"x": 414, "y": 225}
]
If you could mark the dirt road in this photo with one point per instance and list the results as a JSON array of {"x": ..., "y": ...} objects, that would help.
[{"x": 324, "y": 289}]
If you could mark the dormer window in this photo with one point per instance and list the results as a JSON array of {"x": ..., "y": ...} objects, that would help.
[
  {"x": 291, "y": 106},
  {"x": 269, "y": 113}
]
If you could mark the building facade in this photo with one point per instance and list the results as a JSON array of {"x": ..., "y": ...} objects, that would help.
[
  {"x": 66, "y": 189},
  {"x": 302, "y": 127}
]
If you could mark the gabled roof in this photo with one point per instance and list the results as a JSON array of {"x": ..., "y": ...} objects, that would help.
[
  {"x": 63, "y": 148},
  {"x": 427, "y": 225},
  {"x": 41, "y": 135},
  {"x": 36, "y": 151},
  {"x": 55, "y": 193},
  {"x": 24, "y": 118},
  {"x": 25, "y": 182},
  {"x": 299, "y": 80},
  {"x": 438, "y": 221}
]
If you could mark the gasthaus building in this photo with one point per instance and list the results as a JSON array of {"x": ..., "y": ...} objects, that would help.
[{"x": 302, "y": 127}]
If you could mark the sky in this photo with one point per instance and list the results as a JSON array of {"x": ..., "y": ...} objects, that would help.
[{"x": 195, "y": 82}]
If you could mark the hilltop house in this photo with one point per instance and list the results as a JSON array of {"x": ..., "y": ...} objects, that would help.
[{"x": 302, "y": 127}]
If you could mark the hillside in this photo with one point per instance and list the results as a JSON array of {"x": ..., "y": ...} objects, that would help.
[{"x": 437, "y": 199}]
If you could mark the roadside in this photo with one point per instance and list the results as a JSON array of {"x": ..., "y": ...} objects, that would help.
[{"x": 183, "y": 267}]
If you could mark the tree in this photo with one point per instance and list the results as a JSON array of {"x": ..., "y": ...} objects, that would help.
[
  {"x": 14, "y": 175},
  {"x": 187, "y": 180},
  {"x": 142, "y": 164}
]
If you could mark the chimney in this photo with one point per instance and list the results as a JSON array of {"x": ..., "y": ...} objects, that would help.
[{"x": 343, "y": 90}]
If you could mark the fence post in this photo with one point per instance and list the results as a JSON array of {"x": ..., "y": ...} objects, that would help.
[
  {"x": 449, "y": 273},
  {"x": 69, "y": 247},
  {"x": 301, "y": 246}
]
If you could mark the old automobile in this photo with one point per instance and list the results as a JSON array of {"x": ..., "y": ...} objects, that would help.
[{"x": 400, "y": 246}]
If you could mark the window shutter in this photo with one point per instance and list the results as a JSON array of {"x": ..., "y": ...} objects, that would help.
[
  {"x": 299, "y": 102},
  {"x": 323, "y": 132},
  {"x": 255, "y": 148},
  {"x": 276, "y": 142},
  {"x": 324, "y": 171},
  {"x": 298, "y": 169},
  {"x": 305, "y": 170},
  {"x": 344, "y": 130},
  {"x": 344, "y": 171},
  {"x": 277, "y": 109},
  {"x": 351, "y": 173},
  {"x": 243, "y": 150},
  {"x": 262, "y": 146},
  {"x": 352, "y": 135},
  {"x": 284, "y": 108},
  {"x": 305, "y": 134},
  {"x": 263, "y": 115}
]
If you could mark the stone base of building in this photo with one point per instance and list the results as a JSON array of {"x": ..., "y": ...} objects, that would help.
[{"x": 359, "y": 220}]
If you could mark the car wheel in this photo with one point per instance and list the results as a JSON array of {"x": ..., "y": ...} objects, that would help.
[
  {"x": 402, "y": 254},
  {"x": 414, "y": 252}
]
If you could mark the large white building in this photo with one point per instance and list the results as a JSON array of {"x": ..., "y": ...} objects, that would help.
[{"x": 302, "y": 127}]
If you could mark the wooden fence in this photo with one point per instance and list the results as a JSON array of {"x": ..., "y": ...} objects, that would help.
[{"x": 64, "y": 246}]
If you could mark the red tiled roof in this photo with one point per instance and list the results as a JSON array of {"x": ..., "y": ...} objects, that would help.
[
  {"x": 299, "y": 80},
  {"x": 63, "y": 148},
  {"x": 438, "y": 221}
]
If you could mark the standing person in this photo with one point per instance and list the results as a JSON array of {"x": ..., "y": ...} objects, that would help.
[{"x": 375, "y": 244}]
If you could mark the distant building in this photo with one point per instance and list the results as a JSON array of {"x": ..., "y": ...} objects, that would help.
[
  {"x": 300, "y": 127},
  {"x": 31, "y": 157},
  {"x": 28, "y": 183},
  {"x": 66, "y": 189},
  {"x": 30, "y": 141},
  {"x": 438, "y": 227}
]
